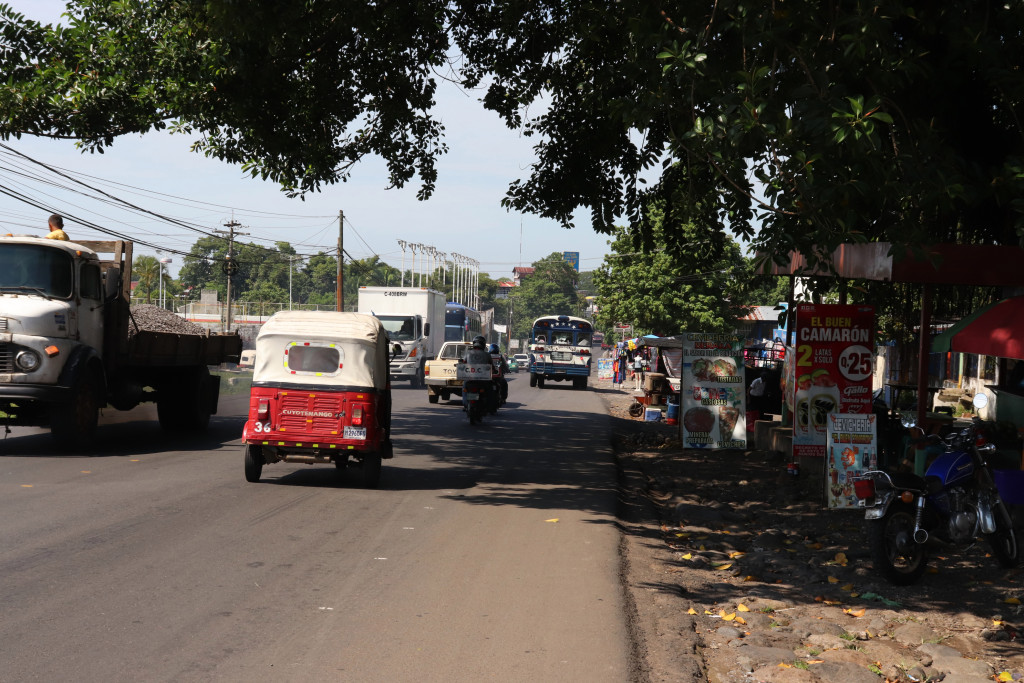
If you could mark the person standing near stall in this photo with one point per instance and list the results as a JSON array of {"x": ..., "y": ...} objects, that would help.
[{"x": 638, "y": 371}]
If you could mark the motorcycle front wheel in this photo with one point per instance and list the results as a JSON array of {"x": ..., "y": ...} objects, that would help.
[
  {"x": 893, "y": 550},
  {"x": 1004, "y": 540}
]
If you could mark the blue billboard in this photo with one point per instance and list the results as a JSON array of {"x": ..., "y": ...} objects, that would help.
[{"x": 572, "y": 258}]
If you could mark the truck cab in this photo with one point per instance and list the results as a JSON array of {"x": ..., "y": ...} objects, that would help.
[{"x": 51, "y": 314}]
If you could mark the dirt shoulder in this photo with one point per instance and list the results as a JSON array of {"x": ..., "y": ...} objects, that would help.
[{"x": 735, "y": 573}]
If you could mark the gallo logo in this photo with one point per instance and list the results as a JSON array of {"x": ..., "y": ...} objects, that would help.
[{"x": 855, "y": 391}]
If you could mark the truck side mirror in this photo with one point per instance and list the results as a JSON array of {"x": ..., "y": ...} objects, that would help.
[
  {"x": 426, "y": 330},
  {"x": 396, "y": 350},
  {"x": 111, "y": 282}
]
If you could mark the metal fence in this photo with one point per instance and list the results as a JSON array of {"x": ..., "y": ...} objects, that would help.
[{"x": 242, "y": 312}]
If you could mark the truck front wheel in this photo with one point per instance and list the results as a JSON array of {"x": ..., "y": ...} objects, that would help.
[{"x": 73, "y": 424}]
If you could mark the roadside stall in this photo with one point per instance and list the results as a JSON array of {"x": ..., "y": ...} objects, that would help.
[
  {"x": 997, "y": 330},
  {"x": 663, "y": 383}
]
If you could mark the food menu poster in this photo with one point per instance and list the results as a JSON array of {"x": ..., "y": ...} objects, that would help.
[
  {"x": 713, "y": 391},
  {"x": 852, "y": 450},
  {"x": 833, "y": 362}
]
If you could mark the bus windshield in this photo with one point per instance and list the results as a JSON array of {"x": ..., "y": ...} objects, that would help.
[
  {"x": 558, "y": 332},
  {"x": 35, "y": 269}
]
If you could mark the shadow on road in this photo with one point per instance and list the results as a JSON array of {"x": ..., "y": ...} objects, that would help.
[{"x": 127, "y": 434}]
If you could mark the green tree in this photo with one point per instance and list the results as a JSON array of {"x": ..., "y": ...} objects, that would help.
[
  {"x": 550, "y": 290},
  {"x": 795, "y": 127},
  {"x": 203, "y": 268},
  {"x": 321, "y": 272},
  {"x": 673, "y": 289},
  {"x": 146, "y": 270}
]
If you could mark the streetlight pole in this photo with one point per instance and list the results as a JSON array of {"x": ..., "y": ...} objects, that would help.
[
  {"x": 163, "y": 299},
  {"x": 456, "y": 261},
  {"x": 403, "y": 244}
]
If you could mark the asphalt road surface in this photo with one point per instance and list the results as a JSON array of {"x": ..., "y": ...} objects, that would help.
[{"x": 488, "y": 553}]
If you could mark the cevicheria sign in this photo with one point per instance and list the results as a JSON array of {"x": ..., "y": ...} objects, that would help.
[
  {"x": 713, "y": 391},
  {"x": 833, "y": 363}
]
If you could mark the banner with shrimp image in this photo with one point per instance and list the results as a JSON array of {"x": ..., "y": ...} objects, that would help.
[
  {"x": 833, "y": 364},
  {"x": 852, "y": 450},
  {"x": 713, "y": 388}
]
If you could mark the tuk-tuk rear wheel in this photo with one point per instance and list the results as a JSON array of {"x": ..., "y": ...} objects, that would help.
[{"x": 253, "y": 463}]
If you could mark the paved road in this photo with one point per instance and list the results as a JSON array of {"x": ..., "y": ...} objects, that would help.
[{"x": 154, "y": 560}]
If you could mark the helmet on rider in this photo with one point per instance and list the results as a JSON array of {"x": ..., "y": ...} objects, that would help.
[
  {"x": 479, "y": 342},
  {"x": 493, "y": 348}
]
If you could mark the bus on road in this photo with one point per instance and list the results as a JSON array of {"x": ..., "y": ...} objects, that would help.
[
  {"x": 560, "y": 350},
  {"x": 461, "y": 323}
]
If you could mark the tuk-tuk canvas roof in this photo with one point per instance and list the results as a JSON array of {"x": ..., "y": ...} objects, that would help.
[{"x": 361, "y": 339}]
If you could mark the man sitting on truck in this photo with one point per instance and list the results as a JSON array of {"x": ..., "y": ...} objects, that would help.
[{"x": 57, "y": 228}]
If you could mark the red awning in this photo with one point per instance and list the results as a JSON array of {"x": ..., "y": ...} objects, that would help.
[{"x": 994, "y": 331}]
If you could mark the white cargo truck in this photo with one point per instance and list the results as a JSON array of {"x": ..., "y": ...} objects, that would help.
[{"x": 413, "y": 318}]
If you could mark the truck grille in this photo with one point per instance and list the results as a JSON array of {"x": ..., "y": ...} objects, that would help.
[
  {"x": 6, "y": 358},
  {"x": 3, "y": 324},
  {"x": 303, "y": 413}
]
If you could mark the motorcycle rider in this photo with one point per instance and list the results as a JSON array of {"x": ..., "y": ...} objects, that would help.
[
  {"x": 500, "y": 370},
  {"x": 477, "y": 355}
]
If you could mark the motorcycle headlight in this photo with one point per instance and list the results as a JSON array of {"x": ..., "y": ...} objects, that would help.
[{"x": 27, "y": 360}]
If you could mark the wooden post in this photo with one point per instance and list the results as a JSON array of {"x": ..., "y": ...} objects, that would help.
[{"x": 924, "y": 346}]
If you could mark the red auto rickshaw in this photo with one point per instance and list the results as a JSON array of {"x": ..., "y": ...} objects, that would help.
[{"x": 320, "y": 393}]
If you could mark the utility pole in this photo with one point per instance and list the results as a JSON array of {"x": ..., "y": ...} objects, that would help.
[
  {"x": 229, "y": 266},
  {"x": 341, "y": 267}
]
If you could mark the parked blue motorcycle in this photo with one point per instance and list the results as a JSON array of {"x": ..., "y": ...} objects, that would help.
[{"x": 956, "y": 501}]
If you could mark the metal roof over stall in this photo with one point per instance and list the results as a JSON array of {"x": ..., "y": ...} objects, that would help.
[{"x": 983, "y": 265}]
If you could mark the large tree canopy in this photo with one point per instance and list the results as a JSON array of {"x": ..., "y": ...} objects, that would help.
[
  {"x": 820, "y": 123},
  {"x": 671, "y": 290},
  {"x": 293, "y": 91}
]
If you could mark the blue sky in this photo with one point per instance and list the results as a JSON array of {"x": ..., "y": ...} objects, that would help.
[{"x": 157, "y": 172}]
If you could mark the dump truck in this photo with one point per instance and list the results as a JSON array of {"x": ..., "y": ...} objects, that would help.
[{"x": 70, "y": 344}]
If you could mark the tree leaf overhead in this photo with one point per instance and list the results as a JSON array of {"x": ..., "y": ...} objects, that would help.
[{"x": 792, "y": 125}]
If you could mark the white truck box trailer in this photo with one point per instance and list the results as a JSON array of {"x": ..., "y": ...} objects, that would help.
[{"x": 414, "y": 319}]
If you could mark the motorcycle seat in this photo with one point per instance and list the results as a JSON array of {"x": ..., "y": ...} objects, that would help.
[{"x": 907, "y": 480}]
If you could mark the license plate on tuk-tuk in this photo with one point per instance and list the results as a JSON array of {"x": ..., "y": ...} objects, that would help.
[
  {"x": 472, "y": 396},
  {"x": 355, "y": 433}
]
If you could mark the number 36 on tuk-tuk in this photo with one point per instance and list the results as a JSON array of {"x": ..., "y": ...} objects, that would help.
[{"x": 320, "y": 393}]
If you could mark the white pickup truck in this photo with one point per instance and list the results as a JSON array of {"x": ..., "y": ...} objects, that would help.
[{"x": 440, "y": 375}]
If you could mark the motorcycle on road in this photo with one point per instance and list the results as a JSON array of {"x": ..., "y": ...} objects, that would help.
[
  {"x": 479, "y": 395},
  {"x": 956, "y": 501}
]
